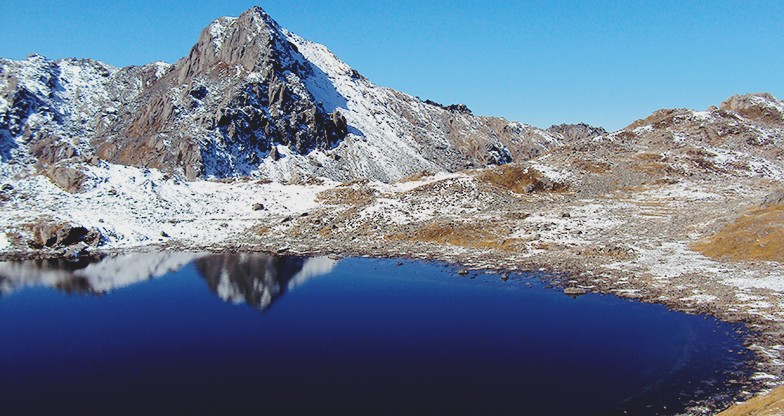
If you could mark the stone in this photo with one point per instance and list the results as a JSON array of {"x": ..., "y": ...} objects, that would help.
[
  {"x": 69, "y": 178},
  {"x": 574, "y": 291},
  {"x": 257, "y": 206}
]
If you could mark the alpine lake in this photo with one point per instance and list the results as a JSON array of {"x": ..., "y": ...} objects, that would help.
[{"x": 187, "y": 333}]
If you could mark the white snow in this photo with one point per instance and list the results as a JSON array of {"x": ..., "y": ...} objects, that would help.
[
  {"x": 555, "y": 175},
  {"x": 218, "y": 29}
]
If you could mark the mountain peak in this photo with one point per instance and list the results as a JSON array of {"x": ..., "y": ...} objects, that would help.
[
  {"x": 256, "y": 17},
  {"x": 249, "y": 99}
]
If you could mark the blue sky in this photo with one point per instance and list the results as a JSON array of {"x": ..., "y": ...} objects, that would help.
[{"x": 541, "y": 62}]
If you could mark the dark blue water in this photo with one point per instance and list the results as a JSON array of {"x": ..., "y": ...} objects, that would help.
[{"x": 239, "y": 334}]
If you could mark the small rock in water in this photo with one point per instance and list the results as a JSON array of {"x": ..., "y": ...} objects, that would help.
[
  {"x": 462, "y": 272},
  {"x": 505, "y": 277},
  {"x": 574, "y": 291}
]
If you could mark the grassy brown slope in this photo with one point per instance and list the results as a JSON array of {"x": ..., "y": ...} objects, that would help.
[
  {"x": 771, "y": 404},
  {"x": 756, "y": 235}
]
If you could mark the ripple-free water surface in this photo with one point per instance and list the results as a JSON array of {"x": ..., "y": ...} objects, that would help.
[{"x": 174, "y": 333}]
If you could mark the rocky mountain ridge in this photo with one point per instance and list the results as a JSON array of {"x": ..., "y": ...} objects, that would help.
[{"x": 250, "y": 99}]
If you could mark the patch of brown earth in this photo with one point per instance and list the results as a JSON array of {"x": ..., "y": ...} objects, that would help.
[{"x": 756, "y": 235}]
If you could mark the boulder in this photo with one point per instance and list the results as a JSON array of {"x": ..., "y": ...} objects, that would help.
[
  {"x": 59, "y": 235},
  {"x": 68, "y": 177},
  {"x": 574, "y": 291}
]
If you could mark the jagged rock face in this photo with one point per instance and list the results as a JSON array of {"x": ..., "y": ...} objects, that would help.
[
  {"x": 572, "y": 132},
  {"x": 50, "y": 110},
  {"x": 249, "y": 99},
  {"x": 239, "y": 93}
]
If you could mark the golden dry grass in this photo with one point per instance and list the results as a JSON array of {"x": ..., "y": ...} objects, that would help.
[
  {"x": 516, "y": 178},
  {"x": 648, "y": 156},
  {"x": 469, "y": 235},
  {"x": 758, "y": 234},
  {"x": 651, "y": 168},
  {"x": 592, "y": 166},
  {"x": 418, "y": 176},
  {"x": 771, "y": 404},
  {"x": 360, "y": 195}
]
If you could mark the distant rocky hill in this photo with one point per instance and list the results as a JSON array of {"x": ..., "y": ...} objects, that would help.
[
  {"x": 742, "y": 137},
  {"x": 572, "y": 132},
  {"x": 250, "y": 99}
]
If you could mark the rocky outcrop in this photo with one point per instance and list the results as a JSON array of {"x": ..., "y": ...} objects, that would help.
[
  {"x": 572, "y": 132},
  {"x": 69, "y": 177},
  {"x": 760, "y": 107},
  {"x": 53, "y": 235}
]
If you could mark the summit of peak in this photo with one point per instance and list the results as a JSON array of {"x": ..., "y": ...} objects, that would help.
[{"x": 254, "y": 14}]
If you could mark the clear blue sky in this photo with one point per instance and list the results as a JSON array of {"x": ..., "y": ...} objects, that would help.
[{"x": 541, "y": 62}]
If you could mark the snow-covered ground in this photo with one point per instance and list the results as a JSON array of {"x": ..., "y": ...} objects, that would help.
[{"x": 134, "y": 207}]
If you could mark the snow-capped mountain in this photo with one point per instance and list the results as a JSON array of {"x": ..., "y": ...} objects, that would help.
[{"x": 250, "y": 99}]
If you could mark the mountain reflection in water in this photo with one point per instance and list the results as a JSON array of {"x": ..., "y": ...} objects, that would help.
[
  {"x": 258, "y": 279},
  {"x": 254, "y": 278}
]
